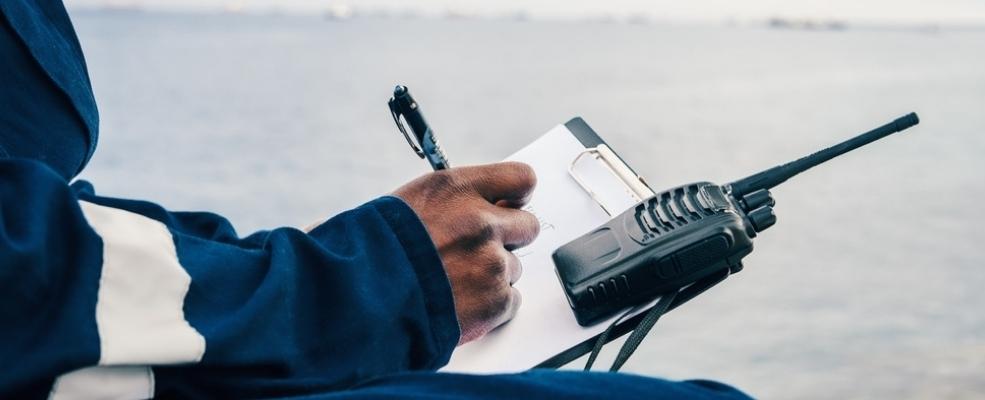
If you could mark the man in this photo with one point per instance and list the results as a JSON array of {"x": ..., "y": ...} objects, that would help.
[{"x": 114, "y": 298}]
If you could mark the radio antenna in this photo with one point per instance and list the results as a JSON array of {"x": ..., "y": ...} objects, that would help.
[{"x": 779, "y": 174}]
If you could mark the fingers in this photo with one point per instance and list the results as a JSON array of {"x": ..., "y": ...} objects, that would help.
[
  {"x": 512, "y": 305},
  {"x": 472, "y": 216},
  {"x": 515, "y": 228},
  {"x": 514, "y": 269},
  {"x": 510, "y": 298},
  {"x": 496, "y": 312},
  {"x": 508, "y": 184},
  {"x": 497, "y": 267}
]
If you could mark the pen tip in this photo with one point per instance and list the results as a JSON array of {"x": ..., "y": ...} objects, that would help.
[{"x": 399, "y": 90}]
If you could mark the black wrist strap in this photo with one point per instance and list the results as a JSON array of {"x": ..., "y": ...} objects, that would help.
[{"x": 635, "y": 338}]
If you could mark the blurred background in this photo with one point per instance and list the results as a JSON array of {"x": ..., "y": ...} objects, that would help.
[{"x": 870, "y": 286}]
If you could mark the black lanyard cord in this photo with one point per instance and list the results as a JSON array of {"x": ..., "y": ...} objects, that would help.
[
  {"x": 604, "y": 337},
  {"x": 635, "y": 338}
]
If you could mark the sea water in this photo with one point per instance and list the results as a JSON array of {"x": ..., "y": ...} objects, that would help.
[{"x": 869, "y": 286}]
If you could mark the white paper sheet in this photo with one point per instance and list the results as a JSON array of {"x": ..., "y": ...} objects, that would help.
[{"x": 544, "y": 325}]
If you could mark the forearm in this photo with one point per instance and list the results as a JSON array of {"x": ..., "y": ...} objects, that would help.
[{"x": 363, "y": 294}]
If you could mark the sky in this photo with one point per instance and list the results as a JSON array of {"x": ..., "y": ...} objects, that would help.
[{"x": 886, "y": 11}]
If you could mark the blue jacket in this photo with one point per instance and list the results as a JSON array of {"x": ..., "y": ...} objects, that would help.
[
  {"x": 147, "y": 301},
  {"x": 113, "y": 298}
]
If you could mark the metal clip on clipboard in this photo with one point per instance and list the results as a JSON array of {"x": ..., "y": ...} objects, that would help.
[{"x": 633, "y": 189}]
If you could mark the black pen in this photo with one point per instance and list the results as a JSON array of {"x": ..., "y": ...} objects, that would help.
[{"x": 425, "y": 144}]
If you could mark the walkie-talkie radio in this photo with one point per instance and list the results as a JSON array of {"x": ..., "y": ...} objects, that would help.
[{"x": 697, "y": 232}]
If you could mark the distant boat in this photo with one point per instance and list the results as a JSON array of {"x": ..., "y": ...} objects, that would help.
[
  {"x": 233, "y": 7},
  {"x": 806, "y": 24},
  {"x": 337, "y": 12}
]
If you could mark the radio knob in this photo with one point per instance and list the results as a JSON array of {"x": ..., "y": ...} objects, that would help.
[
  {"x": 757, "y": 199},
  {"x": 762, "y": 218}
]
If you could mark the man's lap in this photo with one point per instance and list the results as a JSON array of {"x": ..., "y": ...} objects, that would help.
[{"x": 534, "y": 384}]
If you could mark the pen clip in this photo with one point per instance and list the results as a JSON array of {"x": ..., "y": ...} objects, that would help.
[{"x": 395, "y": 113}]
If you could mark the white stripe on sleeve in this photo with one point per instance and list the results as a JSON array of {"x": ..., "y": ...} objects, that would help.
[
  {"x": 140, "y": 305},
  {"x": 105, "y": 383},
  {"x": 139, "y": 309}
]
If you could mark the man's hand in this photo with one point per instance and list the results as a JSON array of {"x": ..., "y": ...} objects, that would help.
[{"x": 473, "y": 218}]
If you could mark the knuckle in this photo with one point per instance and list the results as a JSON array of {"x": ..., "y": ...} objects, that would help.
[
  {"x": 481, "y": 228},
  {"x": 497, "y": 263},
  {"x": 449, "y": 183},
  {"x": 523, "y": 173},
  {"x": 445, "y": 180},
  {"x": 428, "y": 187},
  {"x": 486, "y": 231},
  {"x": 501, "y": 304},
  {"x": 475, "y": 232},
  {"x": 494, "y": 307},
  {"x": 470, "y": 222},
  {"x": 441, "y": 179},
  {"x": 476, "y": 224}
]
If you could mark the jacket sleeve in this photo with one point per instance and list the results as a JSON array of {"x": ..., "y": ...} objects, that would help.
[{"x": 94, "y": 286}]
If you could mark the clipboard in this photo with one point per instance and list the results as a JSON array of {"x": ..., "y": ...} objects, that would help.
[{"x": 609, "y": 186}]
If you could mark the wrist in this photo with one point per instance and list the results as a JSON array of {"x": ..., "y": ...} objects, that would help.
[{"x": 429, "y": 269}]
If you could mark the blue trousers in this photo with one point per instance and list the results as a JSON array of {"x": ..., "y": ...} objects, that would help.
[{"x": 536, "y": 384}]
